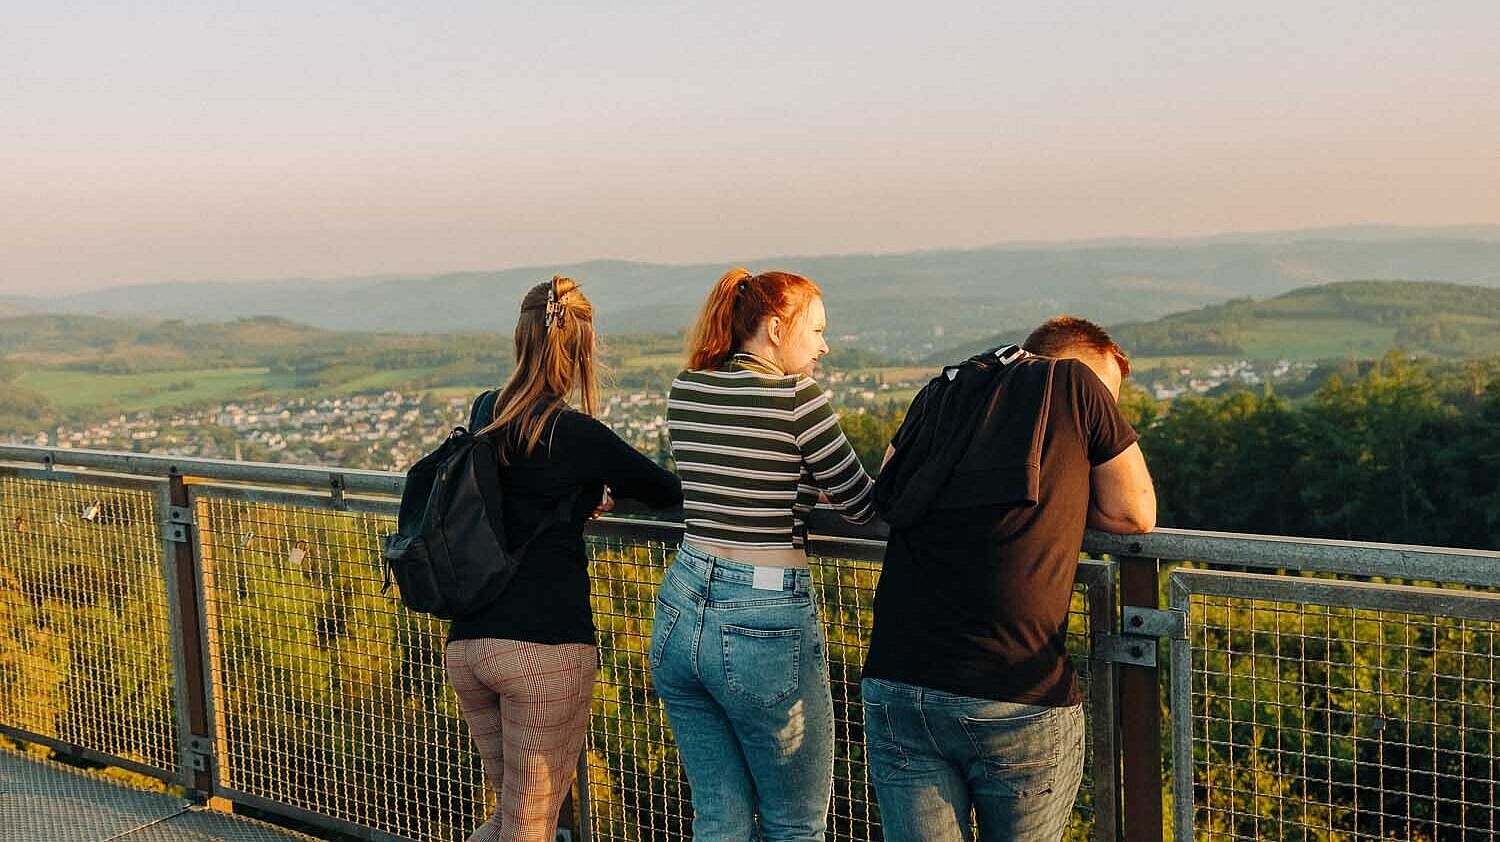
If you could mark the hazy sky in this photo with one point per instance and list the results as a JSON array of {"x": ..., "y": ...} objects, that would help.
[{"x": 141, "y": 142}]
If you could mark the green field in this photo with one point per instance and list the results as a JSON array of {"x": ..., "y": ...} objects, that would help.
[
  {"x": 897, "y": 396},
  {"x": 1316, "y": 339},
  {"x": 384, "y": 379},
  {"x": 672, "y": 358},
  {"x": 1349, "y": 320},
  {"x": 893, "y": 373},
  {"x": 1146, "y": 362},
  {"x": 152, "y": 390},
  {"x": 70, "y": 390},
  {"x": 443, "y": 393}
]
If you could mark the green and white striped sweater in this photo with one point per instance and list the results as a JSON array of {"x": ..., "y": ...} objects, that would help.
[{"x": 754, "y": 447}]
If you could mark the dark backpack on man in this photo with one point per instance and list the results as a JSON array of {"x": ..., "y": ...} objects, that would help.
[
  {"x": 958, "y": 448},
  {"x": 448, "y": 555}
]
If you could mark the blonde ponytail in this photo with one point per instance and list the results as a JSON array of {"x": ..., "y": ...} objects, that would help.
[{"x": 554, "y": 346}]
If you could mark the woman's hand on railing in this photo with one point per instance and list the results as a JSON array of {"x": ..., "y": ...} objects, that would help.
[{"x": 606, "y": 504}]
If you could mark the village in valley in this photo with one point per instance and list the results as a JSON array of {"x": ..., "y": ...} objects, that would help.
[
  {"x": 392, "y": 429},
  {"x": 385, "y": 431}
]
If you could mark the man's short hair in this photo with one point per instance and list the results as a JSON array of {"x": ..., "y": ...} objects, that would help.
[{"x": 1060, "y": 335}]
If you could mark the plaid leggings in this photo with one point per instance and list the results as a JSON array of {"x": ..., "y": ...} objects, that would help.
[{"x": 527, "y": 706}]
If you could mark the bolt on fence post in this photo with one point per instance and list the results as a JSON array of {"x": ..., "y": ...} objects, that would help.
[{"x": 1140, "y": 716}]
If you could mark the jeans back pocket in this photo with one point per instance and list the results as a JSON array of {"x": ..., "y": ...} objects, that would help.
[
  {"x": 661, "y": 631},
  {"x": 762, "y": 665},
  {"x": 883, "y": 752},
  {"x": 1021, "y": 753}
]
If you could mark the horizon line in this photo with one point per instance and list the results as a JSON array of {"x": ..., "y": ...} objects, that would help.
[{"x": 1330, "y": 233}]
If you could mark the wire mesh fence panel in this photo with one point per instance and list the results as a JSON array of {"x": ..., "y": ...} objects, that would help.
[
  {"x": 1080, "y": 634},
  {"x": 637, "y": 787},
  {"x": 1315, "y": 720},
  {"x": 846, "y": 592},
  {"x": 85, "y": 648},
  {"x": 328, "y": 695}
]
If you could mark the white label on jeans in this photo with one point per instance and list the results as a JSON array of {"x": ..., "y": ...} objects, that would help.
[{"x": 767, "y": 579}]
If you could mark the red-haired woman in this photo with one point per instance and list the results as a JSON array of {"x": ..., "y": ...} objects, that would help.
[
  {"x": 524, "y": 666},
  {"x": 737, "y": 650}
]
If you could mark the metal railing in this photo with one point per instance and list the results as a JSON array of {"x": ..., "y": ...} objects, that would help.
[{"x": 220, "y": 626}]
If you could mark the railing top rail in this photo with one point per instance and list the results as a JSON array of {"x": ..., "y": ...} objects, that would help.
[
  {"x": 1355, "y": 558},
  {"x": 371, "y": 482},
  {"x": 1373, "y": 596},
  {"x": 1278, "y": 552}
]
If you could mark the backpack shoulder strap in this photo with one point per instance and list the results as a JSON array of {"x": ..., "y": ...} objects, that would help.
[{"x": 483, "y": 410}]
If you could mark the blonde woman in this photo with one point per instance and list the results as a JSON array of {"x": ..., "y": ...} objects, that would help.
[
  {"x": 524, "y": 666},
  {"x": 737, "y": 650}
]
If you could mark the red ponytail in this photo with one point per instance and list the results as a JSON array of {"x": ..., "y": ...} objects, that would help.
[{"x": 735, "y": 308}]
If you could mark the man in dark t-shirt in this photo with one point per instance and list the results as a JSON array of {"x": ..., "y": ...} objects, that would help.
[{"x": 971, "y": 703}]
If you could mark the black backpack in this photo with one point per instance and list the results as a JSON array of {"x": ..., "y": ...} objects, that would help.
[
  {"x": 938, "y": 429},
  {"x": 448, "y": 555}
]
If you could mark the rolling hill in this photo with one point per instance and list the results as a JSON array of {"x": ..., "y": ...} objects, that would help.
[
  {"x": 1359, "y": 319},
  {"x": 73, "y": 361},
  {"x": 53, "y": 365},
  {"x": 907, "y": 305},
  {"x": 133, "y": 344},
  {"x": 1349, "y": 319}
]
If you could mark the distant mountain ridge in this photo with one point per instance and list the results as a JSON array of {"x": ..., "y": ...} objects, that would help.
[
  {"x": 909, "y": 304},
  {"x": 1372, "y": 233},
  {"x": 1348, "y": 318}
]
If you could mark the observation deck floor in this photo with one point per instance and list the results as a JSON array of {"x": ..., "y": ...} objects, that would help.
[{"x": 46, "y": 801}]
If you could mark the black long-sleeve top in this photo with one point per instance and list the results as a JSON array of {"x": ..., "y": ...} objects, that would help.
[{"x": 548, "y": 600}]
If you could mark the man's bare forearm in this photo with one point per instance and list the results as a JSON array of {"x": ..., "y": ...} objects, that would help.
[{"x": 1101, "y": 520}]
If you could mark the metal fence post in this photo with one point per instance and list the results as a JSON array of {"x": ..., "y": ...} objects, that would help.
[
  {"x": 583, "y": 827},
  {"x": 1140, "y": 716},
  {"x": 187, "y": 643},
  {"x": 171, "y": 533},
  {"x": 572, "y": 821},
  {"x": 1104, "y": 619},
  {"x": 1181, "y": 703}
]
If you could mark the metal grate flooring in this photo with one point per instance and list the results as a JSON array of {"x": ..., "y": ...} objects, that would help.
[{"x": 43, "y": 801}]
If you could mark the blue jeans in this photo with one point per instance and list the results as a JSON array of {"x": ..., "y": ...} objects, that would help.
[
  {"x": 936, "y": 756},
  {"x": 742, "y": 674}
]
